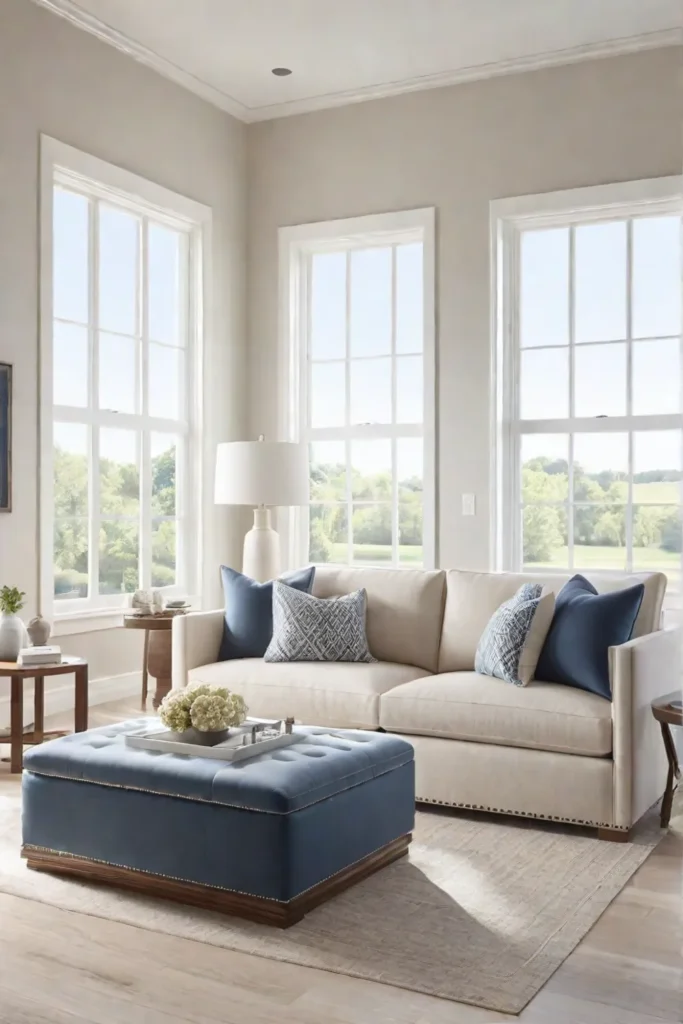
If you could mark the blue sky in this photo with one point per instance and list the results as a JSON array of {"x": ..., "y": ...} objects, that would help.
[
  {"x": 119, "y": 234},
  {"x": 601, "y": 316}
]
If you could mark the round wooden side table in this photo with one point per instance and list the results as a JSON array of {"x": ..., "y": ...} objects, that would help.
[
  {"x": 667, "y": 716},
  {"x": 156, "y": 657},
  {"x": 76, "y": 667}
]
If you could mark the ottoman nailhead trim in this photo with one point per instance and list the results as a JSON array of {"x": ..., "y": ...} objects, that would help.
[
  {"x": 141, "y": 871},
  {"x": 522, "y": 814},
  {"x": 175, "y": 878}
]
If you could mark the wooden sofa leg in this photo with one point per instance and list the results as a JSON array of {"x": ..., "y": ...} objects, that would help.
[{"x": 613, "y": 835}]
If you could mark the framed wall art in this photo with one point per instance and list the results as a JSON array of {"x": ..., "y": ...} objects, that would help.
[{"x": 5, "y": 437}]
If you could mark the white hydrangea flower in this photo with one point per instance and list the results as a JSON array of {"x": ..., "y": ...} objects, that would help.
[
  {"x": 204, "y": 706},
  {"x": 210, "y": 713},
  {"x": 238, "y": 708},
  {"x": 174, "y": 711},
  {"x": 197, "y": 690}
]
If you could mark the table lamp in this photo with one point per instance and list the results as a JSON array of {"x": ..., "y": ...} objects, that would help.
[{"x": 262, "y": 473}]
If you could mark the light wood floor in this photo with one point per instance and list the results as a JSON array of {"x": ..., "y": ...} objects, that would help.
[{"x": 58, "y": 967}]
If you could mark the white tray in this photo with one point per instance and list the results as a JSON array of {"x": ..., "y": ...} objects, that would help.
[{"x": 229, "y": 750}]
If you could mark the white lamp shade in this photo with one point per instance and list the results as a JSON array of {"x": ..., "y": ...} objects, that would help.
[{"x": 262, "y": 473}]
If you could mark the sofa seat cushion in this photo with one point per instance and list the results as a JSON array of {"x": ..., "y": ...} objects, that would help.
[
  {"x": 468, "y": 706},
  {"x": 340, "y": 694}
]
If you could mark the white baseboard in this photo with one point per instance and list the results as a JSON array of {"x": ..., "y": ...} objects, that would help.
[{"x": 61, "y": 697}]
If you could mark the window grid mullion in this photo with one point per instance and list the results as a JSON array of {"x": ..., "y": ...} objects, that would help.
[
  {"x": 584, "y": 344},
  {"x": 629, "y": 390},
  {"x": 93, "y": 418},
  {"x": 572, "y": 396},
  {"x": 93, "y": 400},
  {"x": 513, "y": 365},
  {"x": 349, "y": 434},
  {"x": 299, "y": 416},
  {"x": 573, "y": 427},
  {"x": 347, "y": 413},
  {"x": 187, "y": 481},
  {"x": 602, "y": 425},
  {"x": 145, "y": 439},
  {"x": 394, "y": 417}
]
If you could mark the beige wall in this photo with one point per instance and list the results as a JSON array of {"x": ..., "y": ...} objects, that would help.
[
  {"x": 63, "y": 82},
  {"x": 455, "y": 149}
]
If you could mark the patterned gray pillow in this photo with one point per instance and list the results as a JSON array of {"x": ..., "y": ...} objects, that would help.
[
  {"x": 502, "y": 642},
  {"x": 307, "y": 628}
]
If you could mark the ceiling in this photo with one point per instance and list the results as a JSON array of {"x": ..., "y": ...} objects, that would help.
[{"x": 344, "y": 51}]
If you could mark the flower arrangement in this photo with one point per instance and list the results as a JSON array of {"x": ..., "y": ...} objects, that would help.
[
  {"x": 203, "y": 707},
  {"x": 11, "y": 600}
]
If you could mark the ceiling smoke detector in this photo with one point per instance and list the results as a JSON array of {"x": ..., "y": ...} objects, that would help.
[{"x": 281, "y": 72}]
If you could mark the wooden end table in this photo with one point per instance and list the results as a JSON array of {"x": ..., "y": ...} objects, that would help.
[
  {"x": 668, "y": 716},
  {"x": 17, "y": 674},
  {"x": 156, "y": 657}
]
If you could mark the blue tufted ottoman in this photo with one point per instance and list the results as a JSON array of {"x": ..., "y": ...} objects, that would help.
[{"x": 267, "y": 838}]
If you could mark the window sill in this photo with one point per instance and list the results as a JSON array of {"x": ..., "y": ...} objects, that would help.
[
  {"x": 88, "y": 622},
  {"x": 94, "y": 621}
]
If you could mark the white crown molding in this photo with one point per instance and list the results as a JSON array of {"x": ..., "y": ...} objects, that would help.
[
  {"x": 75, "y": 14},
  {"x": 459, "y": 76}
]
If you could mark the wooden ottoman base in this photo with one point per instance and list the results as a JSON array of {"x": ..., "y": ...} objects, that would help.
[{"x": 253, "y": 908}]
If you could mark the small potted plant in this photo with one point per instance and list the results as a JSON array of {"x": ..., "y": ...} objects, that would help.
[
  {"x": 12, "y": 630},
  {"x": 202, "y": 713}
]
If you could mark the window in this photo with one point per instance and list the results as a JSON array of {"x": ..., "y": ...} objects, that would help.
[
  {"x": 589, "y": 380},
  {"x": 121, "y": 316},
  {"x": 358, "y": 305}
]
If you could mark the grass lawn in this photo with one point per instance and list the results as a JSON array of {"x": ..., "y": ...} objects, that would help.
[
  {"x": 371, "y": 554},
  {"x": 664, "y": 491},
  {"x": 585, "y": 557},
  {"x": 589, "y": 557}
]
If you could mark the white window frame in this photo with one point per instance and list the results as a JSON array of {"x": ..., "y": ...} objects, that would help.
[
  {"x": 296, "y": 247},
  {"x": 508, "y": 218},
  {"x": 88, "y": 175}
]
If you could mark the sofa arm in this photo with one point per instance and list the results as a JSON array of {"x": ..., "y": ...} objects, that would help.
[
  {"x": 640, "y": 671},
  {"x": 196, "y": 641}
]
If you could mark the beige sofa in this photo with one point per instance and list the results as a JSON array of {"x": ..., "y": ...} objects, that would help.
[{"x": 543, "y": 751}]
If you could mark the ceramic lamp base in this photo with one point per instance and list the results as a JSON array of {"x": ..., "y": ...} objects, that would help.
[{"x": 261, "y": 558}]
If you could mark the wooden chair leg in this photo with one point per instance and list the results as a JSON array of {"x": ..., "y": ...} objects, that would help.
[
  {"x": 81, "y": 704},
  {"x": 16, "y": 725},
  {"x": 613, "y": 835},
  {"x": 38, "y": 709},
  {"x": 145, "y": 674},
  {"x": 672, "y": 777},
  {"x": 668, "y": 798}
]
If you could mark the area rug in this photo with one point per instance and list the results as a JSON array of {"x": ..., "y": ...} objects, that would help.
[{"x": 482, "y": 911}]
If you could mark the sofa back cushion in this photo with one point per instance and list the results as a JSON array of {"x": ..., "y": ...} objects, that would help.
[
  {"x": 473, "y": 597},
  {"x": 404, "y": 610}
]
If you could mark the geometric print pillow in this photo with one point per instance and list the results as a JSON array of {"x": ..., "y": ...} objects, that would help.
[
  {"x": 510, "y": 645},
  {"x": 307, "y": 628}
]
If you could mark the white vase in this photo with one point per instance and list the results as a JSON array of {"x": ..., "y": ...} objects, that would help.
[{"x": 13, "y": 636}]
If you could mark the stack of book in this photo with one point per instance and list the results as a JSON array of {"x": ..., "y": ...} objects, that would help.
[{"x": 30, "y": 657}]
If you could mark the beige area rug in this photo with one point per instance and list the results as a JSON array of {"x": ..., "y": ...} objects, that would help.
[{"x": 482, "y": 911}]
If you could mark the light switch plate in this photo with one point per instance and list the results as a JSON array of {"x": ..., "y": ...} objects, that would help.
[{"x": 468, "y": 505}]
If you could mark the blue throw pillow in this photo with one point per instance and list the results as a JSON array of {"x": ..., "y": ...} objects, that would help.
[
  {"x": 248, "y": 627},
  {"x": 584, "y": 626}
]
